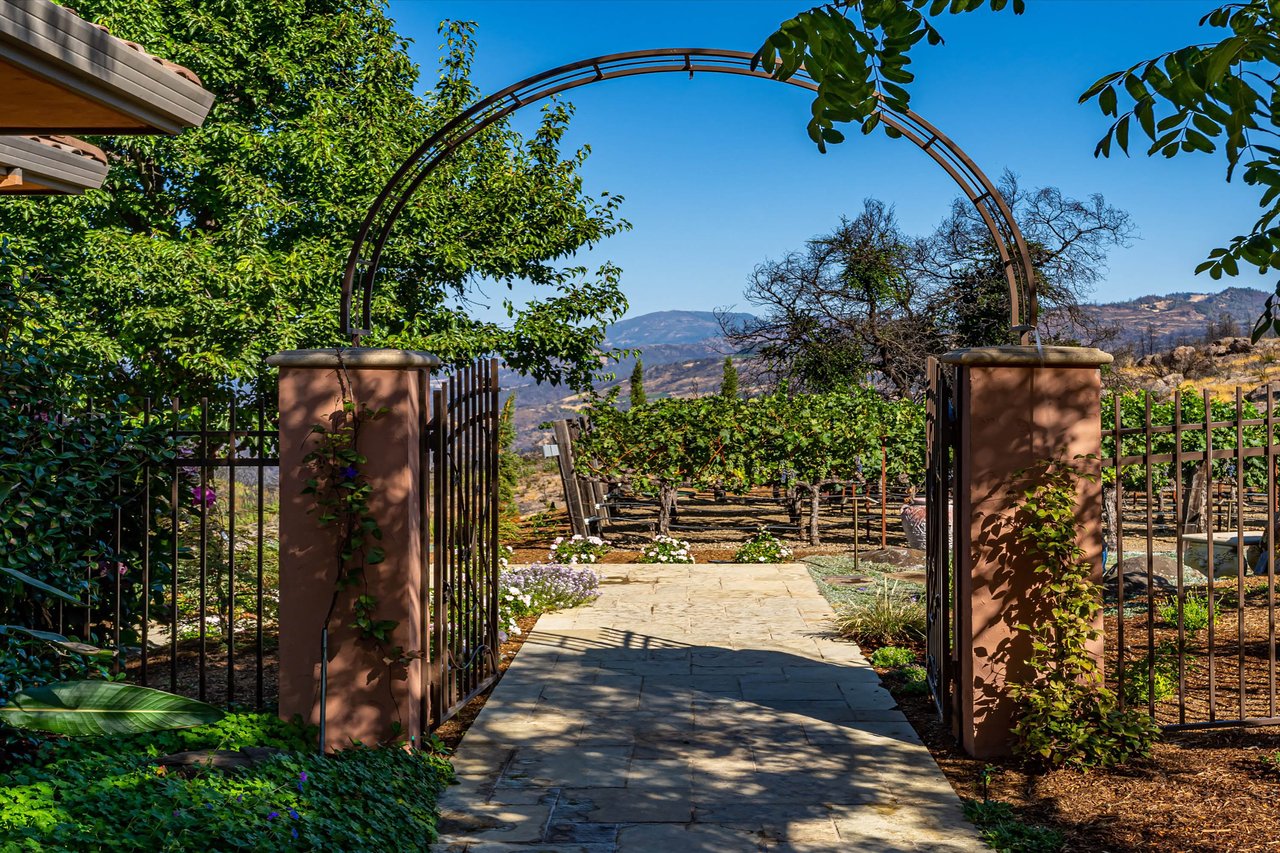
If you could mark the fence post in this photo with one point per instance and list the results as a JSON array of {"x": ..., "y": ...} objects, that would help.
[
  {"x": 572, "y": 493},
  {"x": 1017, "y": 406},
  {"x": 366, "y": 700}
]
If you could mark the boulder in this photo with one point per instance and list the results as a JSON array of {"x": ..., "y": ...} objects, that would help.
[
  {"x": 1259, "y": 394},
  {"x": 1164, "y": 575}
]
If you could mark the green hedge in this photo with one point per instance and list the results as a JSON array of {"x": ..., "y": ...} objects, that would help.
[{"x": 110, "y": 795}]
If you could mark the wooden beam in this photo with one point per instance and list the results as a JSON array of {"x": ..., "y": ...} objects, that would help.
[{"x": 10, "y": 178}]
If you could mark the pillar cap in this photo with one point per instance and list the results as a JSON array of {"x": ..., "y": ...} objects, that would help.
[
  {"x": 1010, "y": 356},
  {"x": 357, "y": 358}
]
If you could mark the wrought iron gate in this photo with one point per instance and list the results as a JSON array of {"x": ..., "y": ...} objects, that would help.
[
  {"x": 942, "y": 430},
  {"x": 461, "y": 461}
]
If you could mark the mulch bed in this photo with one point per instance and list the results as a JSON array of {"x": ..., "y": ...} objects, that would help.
[{"x": 1200, "y": 791}]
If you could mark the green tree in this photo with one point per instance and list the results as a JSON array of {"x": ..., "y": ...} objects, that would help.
[
  {"x": 511, "y": 467},
  {"x": 206, "y": 252},
  {"x": 636, "y": 394},
  {"x": 729, "y": 383}
]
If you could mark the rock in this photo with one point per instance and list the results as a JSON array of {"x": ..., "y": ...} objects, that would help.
[
  {"x": 1259, "y": 394},
  {"x": 1181, "y": 356},
  {"x": 1237, "y": 346},
  {"x": 1164, "y": 575},
  {"x": 903, "y": 558},
  {"x": 1164, "y": 387}
]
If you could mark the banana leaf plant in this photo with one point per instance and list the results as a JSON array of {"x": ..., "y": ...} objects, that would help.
[{"x": 87, "y": 708}]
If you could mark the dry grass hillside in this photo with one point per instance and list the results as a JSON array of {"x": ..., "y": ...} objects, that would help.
[{"x": 1219, "y": 367}]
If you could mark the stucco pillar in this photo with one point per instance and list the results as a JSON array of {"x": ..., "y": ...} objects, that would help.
[
  {"x": 366, "y": 700},
  {"x": 1017, "y": 407}
]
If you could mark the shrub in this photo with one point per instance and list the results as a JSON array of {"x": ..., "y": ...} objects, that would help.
[
  {"x": 764, "y": 547},
  {"x": 1135, "y": 683},
  {"x": 110, "y": 795},
  {"x": 891, "y": 656},
  {"x": 1068, "y": 716},
  {"x": 541, "y": 587},
  {"x": 666, "y": 549},
  {"x": 885, "y": 618},
  {"x": 577, "y": 549},
  {"x": 912, "y": 680},
  {"x": 1195, "y": 612}
]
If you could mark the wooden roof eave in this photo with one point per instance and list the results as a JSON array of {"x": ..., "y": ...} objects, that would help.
[
  {"x": 35, "y": 167},
  {"x": 43, "y": 42}
]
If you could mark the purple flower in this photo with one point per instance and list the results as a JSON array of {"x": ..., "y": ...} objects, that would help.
[
  {"x": 349, "y": 473},
  {"x": 293, "y": 814},
  {"x": 273, "y": 815},
  {"x": 302, "y": 779},
  {"x": 203, "y": 495},
  {"x": 295, "y": 832}
]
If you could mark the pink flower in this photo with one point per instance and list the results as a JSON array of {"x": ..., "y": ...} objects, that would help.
[{"x": 203, "y": 495}]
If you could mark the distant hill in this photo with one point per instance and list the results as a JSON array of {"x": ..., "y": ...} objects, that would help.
[
  {"x": 668, "y": 327},
  {"x": 683, "y": 356},
  {"x": 1157, "y": 322}
]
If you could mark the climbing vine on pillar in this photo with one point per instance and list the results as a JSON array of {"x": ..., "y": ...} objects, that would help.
[
  {"x": 1069, "y": 717},
  {"x": 342, "y": 493}
]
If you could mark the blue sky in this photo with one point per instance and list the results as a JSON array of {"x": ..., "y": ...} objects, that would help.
[{"x": 719, "y": 174}]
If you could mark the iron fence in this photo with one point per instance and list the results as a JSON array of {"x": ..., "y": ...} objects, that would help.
[
  {"x": 461, "y": 462},
  {"x": 186, "y": 589},
  {"x": 1190, "y": 508}
]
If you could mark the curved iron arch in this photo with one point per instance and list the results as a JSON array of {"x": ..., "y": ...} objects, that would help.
[{"x": 386, "y": 208}]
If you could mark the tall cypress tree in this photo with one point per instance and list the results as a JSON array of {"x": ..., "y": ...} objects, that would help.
[
  {"x": 637, "y": 384},
  {"x": 729, "y": 385}
]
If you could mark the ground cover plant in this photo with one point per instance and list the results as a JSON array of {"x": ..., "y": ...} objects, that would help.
[
  {"x": 543, "y": 587},
  {"x": 121, "y": 794}
]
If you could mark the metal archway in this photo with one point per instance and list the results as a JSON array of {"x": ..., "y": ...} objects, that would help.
[{"x": 362, "y": 270}]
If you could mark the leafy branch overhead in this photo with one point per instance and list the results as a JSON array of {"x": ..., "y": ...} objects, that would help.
[
  {"x": 1208, "y": 97},
  {"x": 857, "y": 52}
]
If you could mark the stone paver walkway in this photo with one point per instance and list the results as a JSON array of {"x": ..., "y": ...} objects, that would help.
[{"x": 696, "y": 708}]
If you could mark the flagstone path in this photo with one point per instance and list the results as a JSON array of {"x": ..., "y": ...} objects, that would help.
[{"x": 696, "y": 708}]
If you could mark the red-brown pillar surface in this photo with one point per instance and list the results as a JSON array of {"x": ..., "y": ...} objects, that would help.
[
  {"x": 366, "y": 700},
  {"x": 1018, "y": 406}
]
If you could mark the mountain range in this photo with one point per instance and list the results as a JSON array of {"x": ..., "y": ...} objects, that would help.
[{"x": 683, "y": 351}]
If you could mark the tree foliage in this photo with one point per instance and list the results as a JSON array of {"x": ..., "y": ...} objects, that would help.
[
  {"x": 1218, "y": 96},
  {"x": 206, "y": 252},
  {"x": 1221, "y": 95},
  {"x": 869, "y": 300},
  {"x": 857, "y": 51},
  {"x": 729, "y": 378}
]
